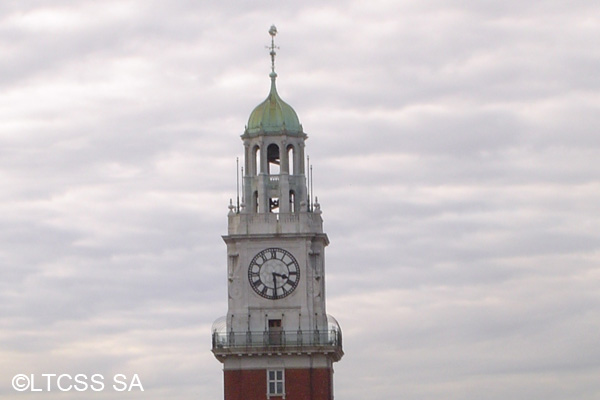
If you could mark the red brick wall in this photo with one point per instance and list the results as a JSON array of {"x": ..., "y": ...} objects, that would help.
[{"x": 300, "y": 384}]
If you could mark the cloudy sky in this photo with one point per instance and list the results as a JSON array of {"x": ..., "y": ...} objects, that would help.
[{"x": 456, "y": 156}]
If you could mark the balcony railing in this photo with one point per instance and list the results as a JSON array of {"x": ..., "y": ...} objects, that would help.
[{"x": 232, "y": 342}]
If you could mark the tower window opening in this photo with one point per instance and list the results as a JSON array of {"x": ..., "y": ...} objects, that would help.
[
  {"x": 291, "y": 160},
  {"x": 274, "y": 204},
  {"x": 255, "y": 161},
  {"x": 255, "y": 202},
  {"x": 292, "y": 201},
  {"x": 273, "y": 160},
  {"x": 275, "y": 382}
]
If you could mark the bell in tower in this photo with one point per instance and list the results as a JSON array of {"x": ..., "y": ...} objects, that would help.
[{"x": 276, "y": 341}]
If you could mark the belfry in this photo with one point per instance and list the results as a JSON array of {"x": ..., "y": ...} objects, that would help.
[{"x": 277, "y": 340}]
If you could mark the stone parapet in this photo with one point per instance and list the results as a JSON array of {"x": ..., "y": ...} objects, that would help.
[{"x": 274, "y": 223}]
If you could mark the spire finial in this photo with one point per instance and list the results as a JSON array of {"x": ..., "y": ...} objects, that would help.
[{"x": 273, "y": 32}]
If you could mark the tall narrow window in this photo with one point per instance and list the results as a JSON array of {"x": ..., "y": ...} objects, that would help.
[
  {"x": 292, "y": 201},
  {"x": 255, "y": 161},
  {"x": 255, "y": 202},
  {"x": 291, "y": 160},
  {"x": 275, "y": 382}
]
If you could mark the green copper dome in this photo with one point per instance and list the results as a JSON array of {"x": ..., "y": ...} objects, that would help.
[{"x": 273, "y": 115}]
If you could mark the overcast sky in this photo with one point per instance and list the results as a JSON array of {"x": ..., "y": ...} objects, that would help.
[{"x": 456, "y": 157}]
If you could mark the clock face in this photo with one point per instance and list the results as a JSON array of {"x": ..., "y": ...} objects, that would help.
[{"x": 274, "y": 273}]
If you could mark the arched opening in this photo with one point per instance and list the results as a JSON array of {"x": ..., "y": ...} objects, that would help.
[
  {"x": 255, "y": 165},
  {"x": 273, "y": 160},
  {"x": 291, "y": 160},
  {"x": 292, "y": 202}
]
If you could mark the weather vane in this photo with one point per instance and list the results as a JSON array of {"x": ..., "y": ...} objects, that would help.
[{"x": 273, "y": 32}]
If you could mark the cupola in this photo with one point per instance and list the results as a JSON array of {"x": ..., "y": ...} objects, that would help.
[{"x": 273, "y": 115}]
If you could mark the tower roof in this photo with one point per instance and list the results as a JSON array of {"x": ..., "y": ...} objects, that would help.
[{"x": 273, "y": 115}]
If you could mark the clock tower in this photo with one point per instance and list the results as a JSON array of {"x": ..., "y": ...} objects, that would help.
[{"x": 277, "y": 340}]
